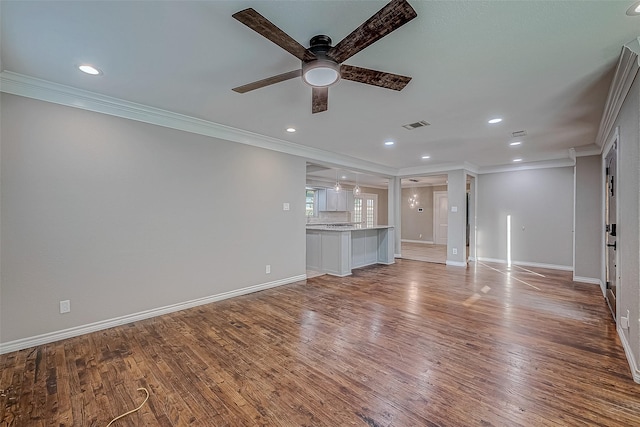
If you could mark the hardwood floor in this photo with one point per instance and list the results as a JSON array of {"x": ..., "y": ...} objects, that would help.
[
  {"x": 411, "y": 344},
  {"x": 424, "y": 252}
]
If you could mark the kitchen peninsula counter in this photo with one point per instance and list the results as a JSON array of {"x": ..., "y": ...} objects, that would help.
[{"x": 337, "y": 249}]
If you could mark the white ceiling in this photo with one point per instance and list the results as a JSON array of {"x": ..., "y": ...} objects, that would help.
[{"x": 544, "y": 66}]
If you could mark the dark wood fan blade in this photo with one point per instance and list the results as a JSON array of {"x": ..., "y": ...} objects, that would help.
[
  {"x": 268, "y": 81},
  {"x": 373, "y": 77},
  {"x": 320, "y": 99},
  {"x": 389, "y": 18},
  {"x": 267, "y": 29}
]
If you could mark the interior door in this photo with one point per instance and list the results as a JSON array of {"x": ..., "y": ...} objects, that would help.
[
  {"x": 440, "y": 217},
  {"x": 611, "y": 187}
]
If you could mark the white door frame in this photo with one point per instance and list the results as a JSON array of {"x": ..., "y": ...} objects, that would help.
[
  {"x": 363, "y": 207},
  {"x": 436, "y": 216},
  {"x": 614, "y": 141}
]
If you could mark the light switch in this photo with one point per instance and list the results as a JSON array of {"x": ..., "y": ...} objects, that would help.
[
  {"x": 285, "y": 206},
  {"x": 454, "y": 209}
]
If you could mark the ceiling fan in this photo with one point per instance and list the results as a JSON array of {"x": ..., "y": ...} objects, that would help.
[{"x": 322, "y": 63}]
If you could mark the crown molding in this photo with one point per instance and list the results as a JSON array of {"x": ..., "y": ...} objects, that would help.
[
  {"x": 587, "y": 150},
  {"x": 546, "y": 164},
  {"x": 626, "y": 71},
  {"x": 43, "y": 90},
  {"x": 436, "y": 169}
]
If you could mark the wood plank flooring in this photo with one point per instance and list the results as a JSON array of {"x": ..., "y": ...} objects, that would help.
[{"x": 411, "y": 344}]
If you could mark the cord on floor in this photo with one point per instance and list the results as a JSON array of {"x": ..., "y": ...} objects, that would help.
[{"x": 133, "y": 410}]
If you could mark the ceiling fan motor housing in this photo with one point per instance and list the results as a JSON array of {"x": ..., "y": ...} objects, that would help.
[{"x": 321, "y": 71}]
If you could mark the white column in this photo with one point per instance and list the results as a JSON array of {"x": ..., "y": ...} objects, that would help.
[
  {"x": 395, "y": 217},
  {"x": 457, "y": 228}
]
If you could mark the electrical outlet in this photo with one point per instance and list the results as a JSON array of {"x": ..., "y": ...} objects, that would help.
[
  {"x": 267, "y": 269},
  {"x": 624, "y": 321},
  {"x": 454, "y": 251},
  {"x": 285, "y": 206},
  {"x": 65, "y": 306}
]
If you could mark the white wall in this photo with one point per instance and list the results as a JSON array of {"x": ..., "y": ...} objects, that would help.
[
  {"x": 120, "y": 217},
  {"x": 589, "y": 184},
  {"x": 540, "y": 202}
]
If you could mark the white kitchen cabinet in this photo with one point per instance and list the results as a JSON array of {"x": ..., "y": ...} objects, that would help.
[
  {"x": 332, "y": 200},
  {"x": 337, "y": 251}
]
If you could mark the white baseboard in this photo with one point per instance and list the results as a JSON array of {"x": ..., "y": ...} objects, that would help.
[
  {"x": 456, "y": 263},
  {"x": 635, "y": 370},
  {"x": 591, "y": 280},
  {"x": 426, "y": 242},
  {"x": 529, "y": 264},
  {"x": 397, "y": 255},
  {"x": 49, "y": 337}
]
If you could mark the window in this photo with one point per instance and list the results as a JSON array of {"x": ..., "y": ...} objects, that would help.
[
  {"x": 370, "y": 213},
  {"x": 310, "y": 203},
  {"x": 357, "y": 210}
]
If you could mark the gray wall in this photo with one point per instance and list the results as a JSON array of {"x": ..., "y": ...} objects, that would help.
[
  {"x": 588, "y": 216},
  {"x": 540, "y": 202},
  {"x": 120, "y": 216},
  {"x": 628, "y": 239},
  {"x": 415, "y": 223}
]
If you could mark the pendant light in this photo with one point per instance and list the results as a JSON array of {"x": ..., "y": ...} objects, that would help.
[
  {"x": 337, "y": 186},
  {"x": 356, "y": 189}
]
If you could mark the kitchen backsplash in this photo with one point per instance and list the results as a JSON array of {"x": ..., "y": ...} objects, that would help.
[{"x": 330, "y": 216}]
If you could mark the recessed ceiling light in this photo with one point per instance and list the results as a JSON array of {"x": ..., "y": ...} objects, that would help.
[
  {"x": 514, "y": 143},
  {"x": 496, "y": 120},
  {"x": 517, "y": 160},
  {"x": 389, "y": 143},
  {"x": 634, "y": 9},
  {"x": 343, "y": 177},
  {"x": 426, "y": 157},
  {"x": 85, "y": 68},
  {"x": 291, "y": 130}
]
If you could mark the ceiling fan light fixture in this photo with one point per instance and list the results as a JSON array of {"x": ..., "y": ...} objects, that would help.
[
  {"x": 634, "y": 9},
  {"x": 320, "y": 73}
]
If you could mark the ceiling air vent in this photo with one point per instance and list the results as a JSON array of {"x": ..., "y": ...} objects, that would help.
[
  {"x": 412, "y": 126},
  {"x": 413, "y": 180},
  {"x": 519, "y": 133}
]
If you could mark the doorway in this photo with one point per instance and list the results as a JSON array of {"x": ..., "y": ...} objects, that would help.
[
  {"x": 610, "y": 217},
  {"x": 417, "y": 210},
  {"x": 365, "y": 209}
]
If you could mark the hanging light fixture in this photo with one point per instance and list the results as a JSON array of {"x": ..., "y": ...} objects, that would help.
[
  {"x": 356, "y": 189},
  {"x": 413, "y": 201},
  {"x": 337, "y": 186}
]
